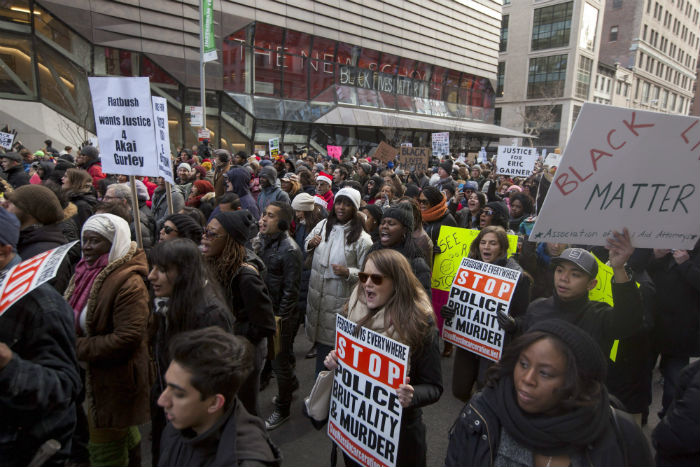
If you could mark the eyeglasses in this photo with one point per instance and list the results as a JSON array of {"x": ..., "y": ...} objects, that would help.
[
  {"x": 211, "y": 234},
  {"x": 106, "y": 197},
  {"x": 488, "y": 212},
  {"x": 377, "y": 279},
  {"x": 168, "y": 230}
]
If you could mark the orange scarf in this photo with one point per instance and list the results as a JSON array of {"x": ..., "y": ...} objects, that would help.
[{"x": 436, "y": 212}]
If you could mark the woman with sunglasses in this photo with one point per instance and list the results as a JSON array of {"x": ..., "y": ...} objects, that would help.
[
  {"x": 495, "y": 213},
  {"x": 433, "y": 206},
  {"x": 470, "y": 216},
  {"x": 490, "y": 246},
  {"x": 180, "y": 226},
  {"x": 545, "y": 404},
  {"x": 389, "y": 300},
  {"x": 339, "y": 246},
  {"x": 186, "y": 297},
  {"x": 238, "y": 270}
]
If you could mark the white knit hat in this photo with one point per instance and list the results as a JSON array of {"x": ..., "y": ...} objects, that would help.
[
  {"x": 303, "y": 202},
  {"x": 352, "y": 194}
]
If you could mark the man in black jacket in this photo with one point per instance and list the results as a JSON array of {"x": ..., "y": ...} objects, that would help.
[
  {"x": 14, "y": 170},
  {"x": 39, "y": 378},
  {"x": 282, "y": 259}
]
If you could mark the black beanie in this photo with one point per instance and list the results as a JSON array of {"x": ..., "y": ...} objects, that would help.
[
  {"x": 447, "y": 166},
  {"x": 186, "y": 226},
  {"x": 412, "y": 190},
  {"x": 401, "y": 214},
  {"x": 433, "y": 195},
  {"x": 499, "y": 209},
  {"x": 589, "y": 358},
  {"x": 237, "y": 224},
  {"x": 374, "y": 211}
]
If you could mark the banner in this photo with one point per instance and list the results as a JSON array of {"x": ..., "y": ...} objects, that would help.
[
  {"x": 479, "y": 290},
  {"x": 416, "y": 159},
  {"x": 208, "y": 39},
  {"x": 26, "y": 276},
  {"x": 6, "y": 140},
  {"x": 274, "y": 146},
  {"x": 515, "y": 161},
  {"x": 160, "y": 115},
  {"x": 385, "y": 152},
  {"x": 334, "y": 151},
  {"x": 626, "y": 168},
  {"x": 124, "y": 123},
  {"x": 365, "y": 413},
  {"x": 441, "y": 144}
]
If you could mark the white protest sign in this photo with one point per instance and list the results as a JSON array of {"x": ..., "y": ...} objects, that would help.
[
  {"x": 196, "y": 115},
  {"x": 274, "y": 146},
  {"x": 26, "y": 276},
  {"x": 516, "y": 161},
  {"x": 479, "y": 289},
  {"x": 160, "y": 115},
  {"x": 125, "y": 127},
  {"x": 441, "y": 144},
  {"x": 482, "y": 156},
  {"x": 552, "y": 160},
  {"x": 626, "y": 168},
  {"x": 365, "y": 413},
  {"x": 6, "y": 140}
]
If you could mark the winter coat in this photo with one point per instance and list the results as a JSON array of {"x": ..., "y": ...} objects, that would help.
[
  {"x": 240, "y": 179},
  {"x": 677, "y": 304},
  {"x": 418, "y": 264},
  {"x": 282, "y": 258},
  {"x": 299, "y": 237},
  {"x": 16, "y": 177},
  {"x": 114, "y": 347},
  {"x": 94, "y": 168},
  {"x": 39, "y": 238},
  {"x": 159, "y": 206},
  {"x": 236, "y": 439},
  {"x": 433, "y": 229},
  {"x": 40, "y": 384},
  {"x": 270, "y": 194},
  {"x": 220, "y": 181},
  {"x": 327, "y": 296},
  {"x": 476, "y": 435},
  {"x": 85, "y": 202},
  {"x": 676, "y": 436},
  {"x": 148, "y": 227}
]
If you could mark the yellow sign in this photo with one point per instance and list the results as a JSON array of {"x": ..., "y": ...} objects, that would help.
[{"x": 454, "y": 243}]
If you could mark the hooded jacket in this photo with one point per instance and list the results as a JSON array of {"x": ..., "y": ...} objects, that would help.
[{"x": 240, "y": 180}]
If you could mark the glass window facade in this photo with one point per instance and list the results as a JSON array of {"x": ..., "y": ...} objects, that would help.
[
  {"x": 583, "y": 77},
  {"x": 547, "y": 76},
  {"x": 551, "y": 26},
  {"x": 503, "y": 44}
]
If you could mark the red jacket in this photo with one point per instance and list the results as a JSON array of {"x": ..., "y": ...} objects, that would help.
[{"x": 95, "y": 171}]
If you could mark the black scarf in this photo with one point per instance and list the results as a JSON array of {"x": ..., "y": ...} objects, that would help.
[{"x": 545, "y": 434}]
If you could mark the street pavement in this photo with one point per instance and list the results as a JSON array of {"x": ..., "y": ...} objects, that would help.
[{"x": 304, "y": 446}]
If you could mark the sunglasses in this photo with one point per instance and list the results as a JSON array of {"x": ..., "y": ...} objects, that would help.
[
  {"x": 423, "y": 201},
  {"x": 211, "y": 234},
  {"x": 377, "y": 279},
  {"x": 168, "y": 230},
  {"x": 488, "y": 212}
]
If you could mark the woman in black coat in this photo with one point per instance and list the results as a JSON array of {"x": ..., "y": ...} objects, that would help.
[
  {"x": 433, "y": 206},
  {"x": 545, "y": 404}
]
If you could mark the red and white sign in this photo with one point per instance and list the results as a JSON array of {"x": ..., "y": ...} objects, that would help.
[
  {"x": 334, "y": 151},
  {"x": 478, "y": 290},
  {"x": 365, "y": 413},
  {"x": 26, "y": 276}
]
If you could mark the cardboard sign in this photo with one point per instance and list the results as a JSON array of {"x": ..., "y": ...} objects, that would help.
[
  {"x": 441, "y": 144},
  {"x": 553, "y": 159},
  {"x": 26, "y": 276},
  {"x": 274, "y": 146},
  {"x": 479, "y": 290},
  {"x": 6, "y": 140},
  {"x": 160, "y": 115},
  {"x": 334, "y": 151},
  {"x": 515, "y": 161},
  {"x": 414, "y": 158},
  {"x": 626, "y": 168},
  {"x": 385, "y": 152},
  {"x": 365, "y": 413},
  {"x": 125, "y": 126}
]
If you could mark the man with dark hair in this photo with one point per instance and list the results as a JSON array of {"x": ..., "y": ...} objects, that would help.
[
  {"x": 15, "y": 175},
  {"x": 229, "y": 202},
  {"x": 39, "y": 379},
  {"x": 240, "y": 158},
  {"x": 340, "y": 174},
  {"x": 283, "y": 260},
  {"x": 89, "y": 159},
  {"x": 207, "y": 423}
]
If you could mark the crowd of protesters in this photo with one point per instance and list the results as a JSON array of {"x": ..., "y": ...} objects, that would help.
[{"x": 177, "y": 310}]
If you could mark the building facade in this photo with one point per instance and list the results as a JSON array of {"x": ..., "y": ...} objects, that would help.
[
  {"x": 313, "y": 73},
  {"x": 547, "y": 65}
]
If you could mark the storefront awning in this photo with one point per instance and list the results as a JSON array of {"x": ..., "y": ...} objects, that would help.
[{"x": 353, "y": 116}]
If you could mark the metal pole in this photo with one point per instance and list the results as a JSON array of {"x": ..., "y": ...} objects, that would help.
[
  {"x": 202, "y": 64},
  {"x": 135, "y": 211},
  {"x": 169, "y": 197}
]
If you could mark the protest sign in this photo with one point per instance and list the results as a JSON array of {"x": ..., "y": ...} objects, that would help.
[
  {"x": 26, "y": 276},
  {"x": 482, "y": 156},
  {"x": 552, "y": 160},
  {"x": 160, "y": 116},
  {"x": 412, "y": 158},
  {"x": 274, "y": 146},
  {"x": 365, "y": 413},
  {"x": 515, "y": 161},
  {"x": 441, "y": 144},
  {"x": 196, "y": 115},
  {"x": 385, "y": 152},
  {"x": 6, "y": 140},
  {"x": 125, "y": 127},
  {"x": 626, "y": 168},
  {"x": 334, "y": 151},
  {"x": 478, "y": 291}
]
